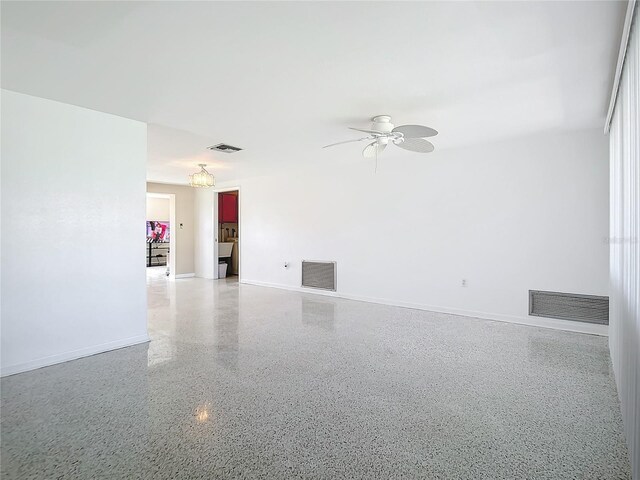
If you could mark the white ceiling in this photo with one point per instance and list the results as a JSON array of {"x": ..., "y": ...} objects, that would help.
[{"x": 281, "y": 79}]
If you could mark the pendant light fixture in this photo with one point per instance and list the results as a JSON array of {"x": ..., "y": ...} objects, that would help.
[{"x": 202, "y": 178}]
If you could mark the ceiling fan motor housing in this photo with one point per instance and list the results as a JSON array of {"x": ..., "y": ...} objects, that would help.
[{"x": 382, "y": 123}]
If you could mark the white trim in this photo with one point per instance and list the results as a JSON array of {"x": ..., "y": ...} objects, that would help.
[
  {"x": 553, "y": 323},
  {"x": 227, "y": 189},
  {"x": 73, "y": 355},
  {"x": 184, "y": 275},
  {"x": 622, "y": 53},
  {"x": 158, "y": 195},
  {"x": 170, "y": 183},
  {"x": 173, "y": 239}
]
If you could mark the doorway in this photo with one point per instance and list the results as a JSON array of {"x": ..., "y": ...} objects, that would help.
[
  {"x": 160, "y": 240},
  {"x": 228, "y": 235}
]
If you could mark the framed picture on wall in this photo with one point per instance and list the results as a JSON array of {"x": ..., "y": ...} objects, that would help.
[{"x": 157, "y": 231}]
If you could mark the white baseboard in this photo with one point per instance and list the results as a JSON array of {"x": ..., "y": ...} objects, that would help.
[
  {"x": 206, "y": 277},
  {"x": 72, "y": 355},
  {"x": 554, "y": 323},
  {"x": 184, "y": 275}
]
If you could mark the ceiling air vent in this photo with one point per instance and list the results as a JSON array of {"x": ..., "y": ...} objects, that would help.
[
  {"x": 569, "y": 306},
  {"x": 223, "y": 147},
  {"x": 319, "y": 275}
]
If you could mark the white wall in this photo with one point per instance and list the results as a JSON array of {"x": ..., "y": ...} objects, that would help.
[
  {"x": 158, "y": 209},
  {"x": 530, "y": 213},
  {"x": 73, "y": 212},
  {"x": 205, "y": 223},
  {"x": 624, "y": 340}
]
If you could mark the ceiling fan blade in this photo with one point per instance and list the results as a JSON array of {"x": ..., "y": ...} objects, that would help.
[
  {"x": 370, "y": 150},
  {"x": 375, "y": 132},
  {"x": 416, "y": 145},
  {"x": 348, "y": 141},
  {"x": 415, "y": 131}
]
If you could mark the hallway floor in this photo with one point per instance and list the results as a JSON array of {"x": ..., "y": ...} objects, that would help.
[{"x": 242, "y": 381}]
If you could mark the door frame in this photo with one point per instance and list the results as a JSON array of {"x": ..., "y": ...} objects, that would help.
[
  {"x": 216, "y": 231},
  {"x": 172, "y": 225}
]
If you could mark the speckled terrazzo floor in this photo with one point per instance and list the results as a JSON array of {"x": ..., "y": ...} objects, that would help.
[{"x": 249, "y": 382}]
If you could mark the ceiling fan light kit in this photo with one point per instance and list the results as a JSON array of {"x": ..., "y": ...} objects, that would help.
[{"x": 383, "y": 132}]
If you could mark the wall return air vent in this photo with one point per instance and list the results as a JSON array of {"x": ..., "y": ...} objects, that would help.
[
  {"x": 320, "y": 275},
  {"x": 224, "y": 148},
  {"x": 569, "y": 306}
]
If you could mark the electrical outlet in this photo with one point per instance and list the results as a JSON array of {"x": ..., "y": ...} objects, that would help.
[{"x": 463, "y": 283}]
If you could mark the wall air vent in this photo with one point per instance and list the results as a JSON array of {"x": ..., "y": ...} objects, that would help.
[
  {"x": 223, "y": 147},
  {"x": 569, "y": 306},
  {"x": 320, "y": 275}
]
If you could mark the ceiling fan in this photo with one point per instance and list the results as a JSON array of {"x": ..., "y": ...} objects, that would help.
[{"x": 383, "y": 132}]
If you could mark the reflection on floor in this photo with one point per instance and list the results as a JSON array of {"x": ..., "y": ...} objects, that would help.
[
  {"x": 251, "y": 382},
  {"x": 156, "y": 272}
]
